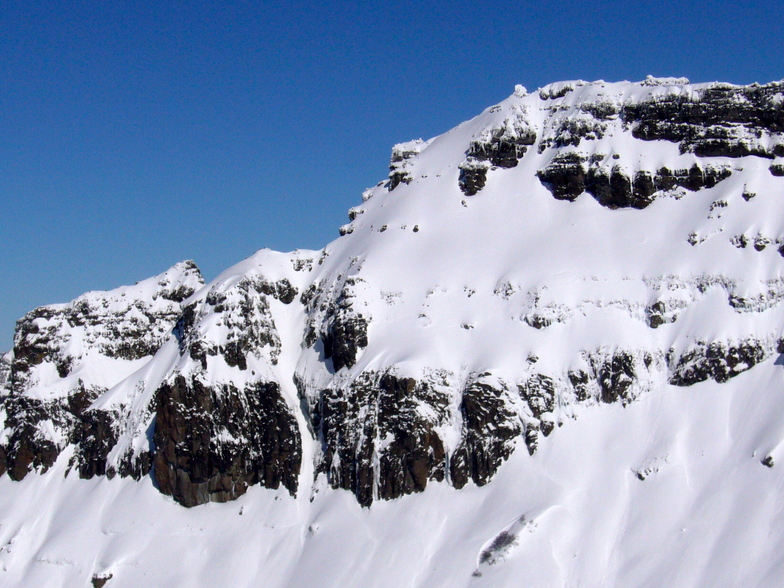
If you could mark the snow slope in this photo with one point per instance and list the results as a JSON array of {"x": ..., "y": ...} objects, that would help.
[
  {"x": 545, "y": 351},
  {"x": 708, "y": 513}
]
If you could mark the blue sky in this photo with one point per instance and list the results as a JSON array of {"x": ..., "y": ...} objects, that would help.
[{"x": 136, "y": 134}]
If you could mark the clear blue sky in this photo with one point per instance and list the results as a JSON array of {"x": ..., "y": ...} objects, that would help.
[{"x": 136, "y": 134}]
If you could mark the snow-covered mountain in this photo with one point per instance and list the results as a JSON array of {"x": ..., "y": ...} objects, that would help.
[{"x": 527, "y": 360}]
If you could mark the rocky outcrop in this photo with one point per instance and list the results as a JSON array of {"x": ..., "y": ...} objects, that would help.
[
  {"x": 557, "y": 90},
  {"x": 497, "y": 146},
  {"x": 619, "y": 374},
  {"x": 129, "y": 323},
  {"x": 334, "y": 320},
  {"x": 126, "y": 324},
  {"x": 384, "y": 436},
  {"x": 473, "y": 176},
  {"x": 5, "y": 368},
  {"x": 95, "y": 435},
  {"x": 243, "y": 310},
  {"x": 564, "y": 176},
  {"x": 345, "y": 335},
  {"x": 491, "y": 426},
  {"x": 713, "y": 120},
  {"x": 213, "y": 442},
  {"x": 401, "y": 161},
  {"x": 380, "y": 434},
  {"x": 570, "y": 174},
  {"x": 26, "y": 446},
  {"x": 39, "y": 430},
  {"x": 503, "y": 146},
  {"x": 659, "y": 313},
  {"x": 100, "y": 580},
  {"x": 586, "y": 125},
  {"x": 718, "y": 120},
  {"x": 415, "y": 453},
  {"x": 716, "y": 360}
]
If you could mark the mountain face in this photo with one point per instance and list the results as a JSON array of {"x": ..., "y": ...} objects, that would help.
[{"x": 586, "y": 248}]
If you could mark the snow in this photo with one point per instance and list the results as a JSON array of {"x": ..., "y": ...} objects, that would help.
[
  {"x": 669, "y": 489},
  {"x": 708, "y": 513}
]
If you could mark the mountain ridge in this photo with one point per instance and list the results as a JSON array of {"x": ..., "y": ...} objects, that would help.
[{"x": 587, "y": 246}]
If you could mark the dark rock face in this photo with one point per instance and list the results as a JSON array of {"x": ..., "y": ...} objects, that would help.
[
  {"x": 564, "y": 176},
  {"x": 655, "y": 314},
  {"x": 28, "y": 447},
  {"x": 717, "y": 360},
  {"x": 717, "y": 121},
  {"x": 334, "y": 320},
  {"x": 614, "y": 189},
  {"x": 617, "y": 374},
  {"x": 501, "y": 146},
  {"x": 380, "y": 415},
  {"x": 381, "y": 433},
  {"x": 473, "y": 176},
  {"x": 579, "y": 381},
  {"x": 400, "y": 163},
  {"x": 567, "y": 176},
  {"x": 100, "y": 580},
  {"x": 490, "y": 428},
  {"x": 416, "y": 453},
  {"x": 346, "y": 334},
  {"x": 660, "y": 313},
  {"x": 95, "y": 435},
  {"x": 539, "y": 393},
  {"x": 134, "y": 466},
  {"x": 114, "y": 324},
  {"x": 343, "y": 330},
  {"x": 212, "y": 443}
]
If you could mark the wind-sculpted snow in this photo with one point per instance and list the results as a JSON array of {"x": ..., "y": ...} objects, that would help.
[{"x": 587, "y": 250}]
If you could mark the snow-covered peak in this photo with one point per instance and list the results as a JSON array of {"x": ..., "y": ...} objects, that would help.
[
  {"x": 99, "y": 338},
  {"x": 536, "y": 308}
]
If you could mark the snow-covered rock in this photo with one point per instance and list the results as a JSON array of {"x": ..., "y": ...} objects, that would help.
[
  {"x": 67, "y": 355},
  {"x": 537, "y": 312}
]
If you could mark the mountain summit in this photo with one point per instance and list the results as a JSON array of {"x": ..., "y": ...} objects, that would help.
[{"x": 555, "y": 326}]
